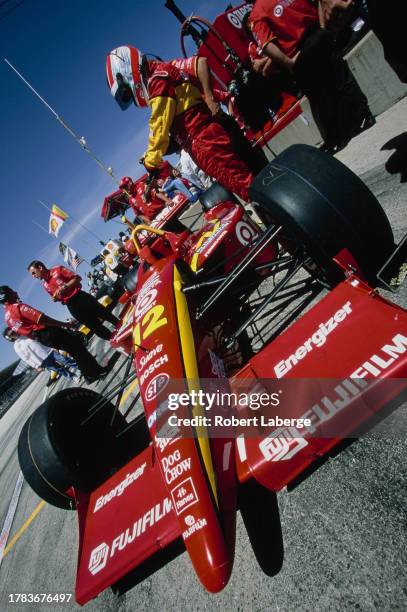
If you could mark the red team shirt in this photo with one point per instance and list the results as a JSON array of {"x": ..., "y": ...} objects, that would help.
[
  {"x": 22, "y": 319},
  {"x": 59, "y": 276},
  {"x": 282, "y": 22}
]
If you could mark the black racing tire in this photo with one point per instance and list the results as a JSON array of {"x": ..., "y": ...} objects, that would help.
[
  {"x": 56, "y": 450},
  {"x": 326, "y": 207},
  {"x": 214, "y": 195}
]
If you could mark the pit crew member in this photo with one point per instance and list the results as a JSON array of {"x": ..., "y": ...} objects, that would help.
[
  {"x": 28, "y": 321},
  {"x": 64, "y": 286},
  {"x": 387, "y": 22},
  {"x": 289, "y": 33}
]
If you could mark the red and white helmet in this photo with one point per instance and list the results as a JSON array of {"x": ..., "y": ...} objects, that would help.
[{"x": 124, "y": 69}]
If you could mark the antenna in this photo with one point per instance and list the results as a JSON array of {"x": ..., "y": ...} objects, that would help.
[{"x": 79, "y": 139}]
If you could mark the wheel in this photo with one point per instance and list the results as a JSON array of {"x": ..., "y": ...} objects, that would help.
[
  {"x": 215, "y": 194},
  {"x": 326, "y": 207},
  {"x": 58, "y": 448}
]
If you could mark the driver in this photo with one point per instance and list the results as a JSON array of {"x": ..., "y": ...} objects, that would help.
[{"x": 178, "y": 112}]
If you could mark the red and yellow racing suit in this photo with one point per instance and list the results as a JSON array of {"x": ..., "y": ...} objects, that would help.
[{"x": 179, "y": 111}]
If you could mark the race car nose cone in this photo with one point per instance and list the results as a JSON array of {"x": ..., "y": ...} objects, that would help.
[{"x": 217, "y": 578}]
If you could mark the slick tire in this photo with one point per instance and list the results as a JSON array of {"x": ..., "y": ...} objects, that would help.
[
  {"x": 214, "y": 195},
  {"x": 326, "y": 207},
  {"x": 58, "y": 448}
]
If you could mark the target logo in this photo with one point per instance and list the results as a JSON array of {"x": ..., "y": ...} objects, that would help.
[
  {"x": 245, "y": 233},
  {"x": 278, "y": 10},
  {"x": 145, "y": 301}
]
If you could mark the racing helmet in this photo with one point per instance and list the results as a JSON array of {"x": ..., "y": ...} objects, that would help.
[
  {"x": 126, "y": 76},
  {"x": 8, "y": 334}
]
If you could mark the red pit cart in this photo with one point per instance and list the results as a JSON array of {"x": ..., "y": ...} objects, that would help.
[{"x": 228, "y": 307}]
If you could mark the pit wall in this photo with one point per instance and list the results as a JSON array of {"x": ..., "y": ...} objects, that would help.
[{"x": 375, "y": 77}]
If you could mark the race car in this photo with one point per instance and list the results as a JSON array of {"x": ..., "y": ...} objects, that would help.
[{"x": 232, "y": 309}]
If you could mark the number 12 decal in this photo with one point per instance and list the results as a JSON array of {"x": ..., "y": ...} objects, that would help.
[{"x": 151, "y": 321}]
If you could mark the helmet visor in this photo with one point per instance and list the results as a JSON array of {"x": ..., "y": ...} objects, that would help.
[{"x": 123, "y": 95}]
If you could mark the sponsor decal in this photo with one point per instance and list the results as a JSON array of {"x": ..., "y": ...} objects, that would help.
[
  {"x": 194, "y": 525},
  {"x": 174, "y": 466},
  {"x": 146, "y": 358},
  {"x": 103, "y": 552},
  {"x": 278, "y": 10},
  {"x": 156, "y": 413},
  {"x": 328, "y": 406},
  {"x": 150, "y": 283},
  {"x": 214, "y": 243},
  {"x": 162, "y": 443},
  {"x": 145, "y": 302},
  {"x": 383, "y": 359},
  {"x": 236, "y": 17},
  {"x": 98, "y": 558},
  {"x": 120, "y": 488},
  {"x": 245, "y": 233},
  {"x": 315, "y": 341},
  {"x": 156, "y": 385},
  {"x": 203, "y": 241},
  {"x": 152, "y": 367},
  {"x": 184, "y": 495},
  {"x": 147, "y": 295},
  {"x": 282, "y": 444},
  {"x": 151, "y": 321}
]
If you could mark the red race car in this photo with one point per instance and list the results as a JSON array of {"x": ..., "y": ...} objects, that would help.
[{"x": 219, "y": 313}]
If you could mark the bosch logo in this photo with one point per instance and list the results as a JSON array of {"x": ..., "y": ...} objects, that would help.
[
  {"x": 189, "y": 520},
  {"x": 98, "y": 558},
  {"x": 278, "y": 10}
]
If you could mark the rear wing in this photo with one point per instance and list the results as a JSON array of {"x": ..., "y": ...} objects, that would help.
[{"x": 114, "y": 205}]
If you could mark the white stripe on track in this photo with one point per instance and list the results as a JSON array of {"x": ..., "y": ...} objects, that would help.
[{"x": 5, "y": 532}]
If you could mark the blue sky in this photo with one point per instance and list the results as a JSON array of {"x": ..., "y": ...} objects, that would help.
[{"x": 60, "y": 47}]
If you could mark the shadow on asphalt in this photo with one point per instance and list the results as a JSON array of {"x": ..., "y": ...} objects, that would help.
[{"x": 397, "y": 162}]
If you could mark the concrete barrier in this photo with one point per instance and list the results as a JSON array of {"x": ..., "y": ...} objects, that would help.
[{"x": 375, "y": 77}]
